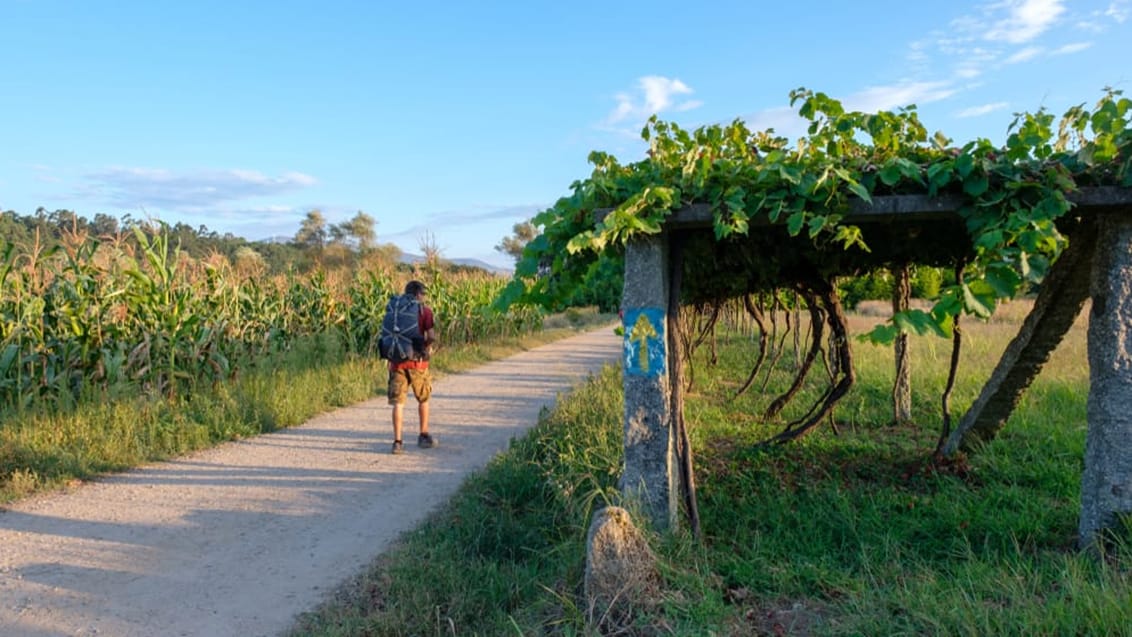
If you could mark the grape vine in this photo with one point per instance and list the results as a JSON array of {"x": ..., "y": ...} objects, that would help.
[{"x": 1014, "y": 200}]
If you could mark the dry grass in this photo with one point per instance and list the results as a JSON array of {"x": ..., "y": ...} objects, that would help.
[
  {"x": 1009, "y": 312},
  {"x": 883, "y": 309}
]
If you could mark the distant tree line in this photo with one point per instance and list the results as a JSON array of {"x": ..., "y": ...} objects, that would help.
[{"x": 317, "y": 243}]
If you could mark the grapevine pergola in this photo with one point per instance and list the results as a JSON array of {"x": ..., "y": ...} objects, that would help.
[
  {"x": 657, "y": 460},
  {"x": 722, "y": 213}
]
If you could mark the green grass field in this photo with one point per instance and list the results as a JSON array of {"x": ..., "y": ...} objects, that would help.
[{"x": 845, "y": 532}]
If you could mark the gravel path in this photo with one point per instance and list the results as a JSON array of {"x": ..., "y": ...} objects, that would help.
[{"x": 238, "y": 539}]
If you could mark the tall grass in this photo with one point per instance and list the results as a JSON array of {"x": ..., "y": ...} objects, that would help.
[
  {"x": 97, "y": 316},
  {"x": 845, "y": 532},
  {"x": 114, "y": 353}
]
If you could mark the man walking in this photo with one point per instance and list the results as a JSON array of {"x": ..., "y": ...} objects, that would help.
[{"x": 413, "y": 373}]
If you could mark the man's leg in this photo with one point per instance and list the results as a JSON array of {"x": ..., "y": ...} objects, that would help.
[
  {"x": 425, "y": 439},
  {"x": 398, "y": 420},
  {"x": 422, "y": 391},
  {"x": 396, "y": 392}
]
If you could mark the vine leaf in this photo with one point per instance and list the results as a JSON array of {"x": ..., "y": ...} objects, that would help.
[
  {"x": 909, "y": 322},
  {"x": 979, "y": 298},
  {"x": 850, "y": 236},
  {"x": 795, "y": 222},
  {"x": 1003, "y": 280},
  {"x": 899, "y": 169},
  {"x": 975, "y": 185},
  {"x": 939, "y": 175}
]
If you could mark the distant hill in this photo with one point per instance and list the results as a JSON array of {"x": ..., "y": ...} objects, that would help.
[
  {"x": 276, "y": 239},
  {"x": 473, "y": 263},
  {"x": 483, "y": 265}
]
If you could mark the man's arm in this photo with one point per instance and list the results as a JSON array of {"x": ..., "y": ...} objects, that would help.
[{"x": 429, "y": 333}]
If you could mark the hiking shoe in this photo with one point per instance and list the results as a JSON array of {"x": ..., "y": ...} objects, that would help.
[
  {"x": 426, "y": 441},
  {"x": 398, "y": 448}
]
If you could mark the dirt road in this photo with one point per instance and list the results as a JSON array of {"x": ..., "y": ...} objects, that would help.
[{"x": 239, "y": 539}]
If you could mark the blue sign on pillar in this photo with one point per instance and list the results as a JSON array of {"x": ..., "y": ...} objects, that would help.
[{"x": 644, "y": 351}]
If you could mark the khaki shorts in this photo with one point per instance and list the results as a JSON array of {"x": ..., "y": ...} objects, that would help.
[{"x": 401, "y": 380}]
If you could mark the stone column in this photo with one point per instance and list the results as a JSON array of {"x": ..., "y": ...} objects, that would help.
[
  {"x": 650, "y": 479},
  {"x": 1106, "y": 482}
]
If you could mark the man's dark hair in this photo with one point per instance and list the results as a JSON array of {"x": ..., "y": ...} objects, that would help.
[{"x": 414, "y": 288}]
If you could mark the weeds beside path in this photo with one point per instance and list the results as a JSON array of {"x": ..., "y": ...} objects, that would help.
[
  {"x": 847, "y": 532},
  {"x": 238, "y": 539}
]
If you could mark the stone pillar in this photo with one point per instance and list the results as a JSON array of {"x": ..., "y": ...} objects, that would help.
[
  {"x": 650, "y": 479},
  {"x": 1106, "y": 482}
]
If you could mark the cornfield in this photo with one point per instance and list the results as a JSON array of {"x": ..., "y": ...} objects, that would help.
[{"x": 97, "y": 315}]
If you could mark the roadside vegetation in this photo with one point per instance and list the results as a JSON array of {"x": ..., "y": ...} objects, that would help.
[
  {"x": 124, "y": 348},
  {"x": 849, "y": 531},
  {"x": 49, "y": 448}
]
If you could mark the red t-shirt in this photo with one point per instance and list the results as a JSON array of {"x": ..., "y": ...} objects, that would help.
[{"x": 425, "y": 322}]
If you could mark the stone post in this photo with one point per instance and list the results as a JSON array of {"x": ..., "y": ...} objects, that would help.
[
  {"x": 1106, "y": 482},
  {"x": 650, "y": 479}
]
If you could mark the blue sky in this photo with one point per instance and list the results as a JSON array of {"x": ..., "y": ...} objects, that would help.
[{"x": 453, "y": 121}]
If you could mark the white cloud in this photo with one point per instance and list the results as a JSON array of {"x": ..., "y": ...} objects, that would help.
[
  {"x": 1099, "y": 21},
  {"x": 1000, "y": 33},
  {"x": 474, "y": 217},
  {"x": 689, "y": 105},
  {"x": 1071, "y": 48},
  {"x": 883, "y": 98},
  {"x": 973, "y": 62},
  {"x": 659, "y": 91},
  {"x": 476, "y": 214},
  {"x": 272, "y": 210},
  {"x": 976, "y": 111},
  {"x": 1032, "y": 52},
  {"x": 188, "y": 191},
  {"x": 1025, "y": 54},
  {"x": 784, "y": 120},
  {"x": 1026, "y": 20},
  {"x": 44, "y": 174},
  {"x": 1118, "y": 11},
  {"x": 653, "y": 94}
]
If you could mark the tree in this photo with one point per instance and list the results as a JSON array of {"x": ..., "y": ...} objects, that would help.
[
  {"x": 12, "y": 229},
  {"x": 312, "y": 232},
  {"x": 361, "y": 228},
  {"x": 522, "y": 233},
  {"x": 104, "y": 225},
  {"x": 356, "y": 233},
  {"x": 188, "y": 238},
  {"x": 67, "y": 221},
  {"x": 338, "y": 234}
]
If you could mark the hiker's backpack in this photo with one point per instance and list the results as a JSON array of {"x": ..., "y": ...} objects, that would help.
[{"x": 401, "y": 338}]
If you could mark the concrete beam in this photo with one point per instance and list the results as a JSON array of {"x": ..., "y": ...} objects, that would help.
[{"x": 904, "y": 208}]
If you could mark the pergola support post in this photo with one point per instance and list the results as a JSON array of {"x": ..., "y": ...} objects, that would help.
[
  {"x": 1062, "y": 295},
  {"x": 650, "y": 479},
  {"x": 1106, "y": 482}
]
